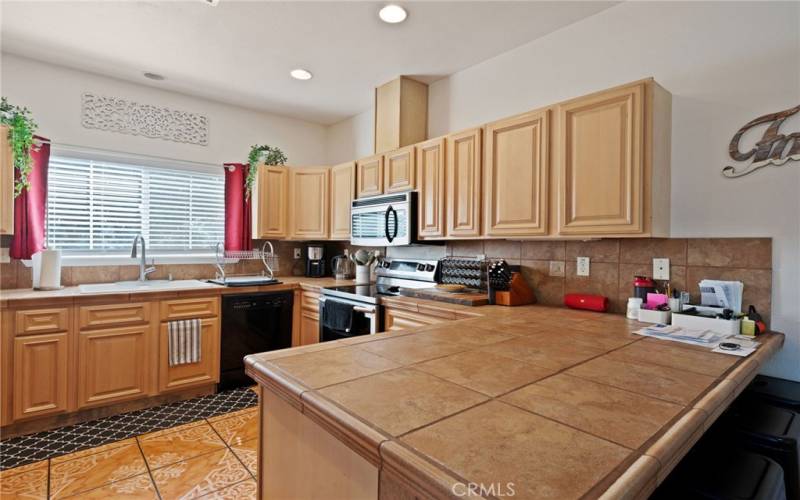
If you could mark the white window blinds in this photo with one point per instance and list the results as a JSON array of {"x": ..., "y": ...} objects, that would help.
[{"x": 101, "y": 206}]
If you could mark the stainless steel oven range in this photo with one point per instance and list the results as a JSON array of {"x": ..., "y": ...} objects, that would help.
[{"x": 353, "y": 310}]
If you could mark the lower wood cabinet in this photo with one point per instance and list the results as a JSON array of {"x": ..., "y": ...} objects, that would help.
[
  {"x": 206, "y": 371},
  {"x": 309, "y": 318},
  {"x": 40, "y": 375},
  {"x": 400, "y": 319},
  {"x": 112, "y": 364}
]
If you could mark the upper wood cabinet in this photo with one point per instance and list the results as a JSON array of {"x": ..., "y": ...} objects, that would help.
[
  {"x": 6, "y": 184},
  {"x": 613, "y": 175},
  {"x": 343, "y": 190},
  {"x": 431, "y": 181},
  {"x": 464, "y": 166},
  {"x": 369, "y": 176},
  {"x": 516, "y": 172},
  {"x": 40, "y": 375},
  {"x": 401, "y": 114},
  {"x": 308, "y": 202},
  {"x": 398, "y": 170},
  {"x": 270, "y": 202}
]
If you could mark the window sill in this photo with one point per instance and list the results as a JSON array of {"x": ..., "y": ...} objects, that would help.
[{"x": 121, "y": 260}]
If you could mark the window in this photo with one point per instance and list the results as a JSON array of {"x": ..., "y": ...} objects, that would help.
[{"x": 101, "y": 206}]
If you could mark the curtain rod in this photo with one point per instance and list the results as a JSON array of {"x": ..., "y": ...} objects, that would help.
[{"x": 149, "y": 157}]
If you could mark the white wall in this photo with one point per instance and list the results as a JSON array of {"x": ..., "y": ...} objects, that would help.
[
  {"x": 724, "y": 63},
  {"x": 351, "y": 139},
  {"x": 53, "y": 94}
]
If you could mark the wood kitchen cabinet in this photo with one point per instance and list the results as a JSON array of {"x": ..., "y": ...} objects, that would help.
[
  {"x": 612, "y": 162},
  {"x": 309, "y": 317},
  {"x": 464, "y": 153},
  {"x": 431, "y": 180},
  {"x": 113, "y": 364},
  {"x": 308, "y": 202},
  {"x": 516, "y": 174},
  {"x": 270, "y": 203},
  {"x": 6, "y": 184},
  {"x": 401, "y": 114},
  {"x": 40, "y": 375},
  {"x": 343, "y": 190},
  {"x": 205, "y": 371},
  {"x": 399, "y": 172},
  {"x": 369, "y": 176},
  {"x": 395, "y": 319}
]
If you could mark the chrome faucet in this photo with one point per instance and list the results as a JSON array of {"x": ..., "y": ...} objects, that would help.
[{"x": 143, "y": 269}]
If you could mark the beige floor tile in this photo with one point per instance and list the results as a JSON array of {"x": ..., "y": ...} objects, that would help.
[
  {"x": 184, "y": 442},
  {"x": 484, "y": 372},
  {"x": 200, "y": 475},
  {"x": 28, "y": 481},
  {"x": 246, "y": 490},
  {"x": 139, "y": 487},
  {"x": 92, "y": 451},
  {"x": 498, "y": 444},
  {"x": 620, "y": 416},
  {"x": 248, "y": 454},
  {"x": 238, "y": 428},
  {"x": 401, "y": 400},
  {"x": 91, "y": 471}
]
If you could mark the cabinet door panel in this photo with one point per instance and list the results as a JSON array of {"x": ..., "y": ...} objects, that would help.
[
  {"x": 309, "y": 328},
  {"x": 464, "y": 165},
  {"x": 601, "y": 167},
  {"x": 431, "y": 179},
  {"x": 206, "y": 371},
  {"x": 369, "y": 176},
  {"x": 399, "y": 173},
  {"x": 40, "y": 375},
  {"x": 112, "y": 365},
  {"x": 343, "y": 190},
  {"x": 398, "y": 319},
  {"x": 516, "y": 175},
  {"x": 271, "y": 203},
  {"x": 308, "y": 192}
]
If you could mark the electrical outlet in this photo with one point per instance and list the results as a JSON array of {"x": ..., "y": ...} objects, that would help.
[
  {"x": 556, "y": 268},
  {"x": 583, "y": 266},
  {"x": 298, "y": 253},
  {"x": 661, "y": 269}
]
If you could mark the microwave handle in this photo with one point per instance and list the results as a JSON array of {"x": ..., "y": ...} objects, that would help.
[
  {"x": 388, "y": 212},
  {"x": 396, "y": 223}
]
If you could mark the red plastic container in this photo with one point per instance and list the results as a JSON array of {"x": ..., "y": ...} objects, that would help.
[{"x": 587, "y": 302}]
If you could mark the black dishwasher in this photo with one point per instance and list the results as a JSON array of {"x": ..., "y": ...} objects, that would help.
[{"x": 252, "y": 323}]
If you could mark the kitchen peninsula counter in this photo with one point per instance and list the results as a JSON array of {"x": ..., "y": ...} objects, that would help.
[{"x": 536, "y": 401}]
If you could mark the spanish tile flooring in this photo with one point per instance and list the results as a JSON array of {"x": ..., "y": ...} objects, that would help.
[{"x": 213, "y": 457}]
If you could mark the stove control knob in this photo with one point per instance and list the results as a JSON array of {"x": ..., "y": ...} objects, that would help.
[
  {"x": 420, "y": 267},
  {"x": 385, "y": 264},
  {"x": 429, "y": 267}
]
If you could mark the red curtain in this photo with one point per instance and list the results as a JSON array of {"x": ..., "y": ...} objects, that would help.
[
  {"x": 30, "y": 207},
  {"x": 238, "y": 216}
]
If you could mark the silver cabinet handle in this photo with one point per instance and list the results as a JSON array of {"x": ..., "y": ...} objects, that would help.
[{"x": 363, "y": 310}]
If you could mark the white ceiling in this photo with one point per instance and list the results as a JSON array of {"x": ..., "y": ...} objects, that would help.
[{"x": 241, "y": 52}]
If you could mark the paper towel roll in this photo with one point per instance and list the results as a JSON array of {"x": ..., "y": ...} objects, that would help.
[{"x": 50, "y": 272}]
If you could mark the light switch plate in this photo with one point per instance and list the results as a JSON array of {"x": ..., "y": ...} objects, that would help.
[
  {"x": 583, "y": 266},
  {"x": 298, "y": 253},
  {"x": 661, "y": 269},
  {"x": 556, "y": 268}
]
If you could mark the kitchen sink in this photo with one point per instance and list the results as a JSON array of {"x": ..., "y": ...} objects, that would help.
[{"x": 140, "y": 286}]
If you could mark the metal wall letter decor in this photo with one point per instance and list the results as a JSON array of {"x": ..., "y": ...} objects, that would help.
[
  {"x": 774, "y": 148},
  {"x": 129, "y": 117}
]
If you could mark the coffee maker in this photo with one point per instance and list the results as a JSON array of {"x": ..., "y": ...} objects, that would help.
[{"x": 315, "y": 263}]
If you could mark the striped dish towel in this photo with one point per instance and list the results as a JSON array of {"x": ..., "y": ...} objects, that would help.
[{"x": 184, "y": 341}]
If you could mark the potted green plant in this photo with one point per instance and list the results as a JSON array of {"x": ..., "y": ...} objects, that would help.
[
  {"x": 21, "y": 129},
  {"x": 261, "y": 153}
]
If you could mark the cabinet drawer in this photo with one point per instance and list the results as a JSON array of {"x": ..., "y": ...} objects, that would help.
[
  {"x": 204, "y": 307},
  {"x": 310, "y": 301},
  {"x": 114, "y": 315},
  {"x": 434, "y": 313},
  {"x": 33, "y": 321}
]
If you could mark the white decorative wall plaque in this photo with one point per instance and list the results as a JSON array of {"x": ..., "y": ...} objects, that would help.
[{"x": 128, "y": 117}]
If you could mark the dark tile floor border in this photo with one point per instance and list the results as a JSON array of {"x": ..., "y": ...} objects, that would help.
[{"x": 23, "y": 450}]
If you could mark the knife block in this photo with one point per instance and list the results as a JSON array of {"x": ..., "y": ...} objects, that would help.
[{"x": 518, "y": 293}]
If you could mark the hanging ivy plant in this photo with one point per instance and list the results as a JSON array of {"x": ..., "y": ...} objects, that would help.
[
  {"x": 261, "y": 153},
  {"x": 21, "y": 128}
]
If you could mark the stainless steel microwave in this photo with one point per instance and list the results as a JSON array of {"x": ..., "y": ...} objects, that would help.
[{"x": 385, "y": 220}]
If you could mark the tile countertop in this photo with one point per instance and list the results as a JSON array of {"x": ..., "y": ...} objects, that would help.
[
  {"x": 28, "y": 296},
  {"x": 563, "y": 404}
]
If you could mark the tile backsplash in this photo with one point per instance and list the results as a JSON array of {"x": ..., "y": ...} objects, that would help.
[{"x": 614, "y": 263}]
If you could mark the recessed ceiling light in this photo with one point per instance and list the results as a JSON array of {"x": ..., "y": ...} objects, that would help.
[
  {"x": 212, "y": 3},
  {"x": 393, "y": 14},
  {"x": 154, "y": 76},
  {"x": 301, "y": 74}
]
